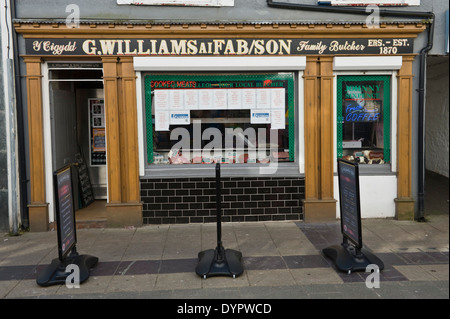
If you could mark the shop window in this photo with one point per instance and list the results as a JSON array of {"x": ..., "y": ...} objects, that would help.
[
  {"x": 363, "y": 118},
  {"x": 226, "y": 118}
]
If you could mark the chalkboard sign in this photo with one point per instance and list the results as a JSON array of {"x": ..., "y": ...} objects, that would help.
[
  {"x": 348, "y": 173},
  {"x": 87, "y": 195},
  {"x": 65, "y": 212}
]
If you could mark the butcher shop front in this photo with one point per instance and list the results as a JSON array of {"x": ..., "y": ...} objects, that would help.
[{"x": 150, "y": 108}]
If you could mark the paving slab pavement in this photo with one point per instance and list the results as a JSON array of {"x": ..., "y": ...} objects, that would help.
[{"x": 282, "y": 260}]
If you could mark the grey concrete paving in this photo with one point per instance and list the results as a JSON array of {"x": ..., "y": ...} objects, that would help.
[{"x": 282, "y": 260}]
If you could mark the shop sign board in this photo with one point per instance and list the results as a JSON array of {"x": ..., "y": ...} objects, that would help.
[
  {"x": 216, "y": 47},
  {"x": 192, "y": 3}
]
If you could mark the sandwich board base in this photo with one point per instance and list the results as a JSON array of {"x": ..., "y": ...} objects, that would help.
[
  {"x": 349, "y": 259},
  {"x": 219, "y": 262},
  {"x": 55, "y": 273}
]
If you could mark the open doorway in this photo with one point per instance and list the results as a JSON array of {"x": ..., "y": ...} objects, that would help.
[{"x": 78, "y": 133}]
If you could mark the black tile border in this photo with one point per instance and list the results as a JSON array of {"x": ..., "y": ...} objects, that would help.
[
  {"x": 186, "y": 265},
  {"x": 244, "y": 199}
]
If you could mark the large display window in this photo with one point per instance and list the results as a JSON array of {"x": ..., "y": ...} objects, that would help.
[
  {"x": 363, "y": 118},
  {"x": 222, "y": 117}
]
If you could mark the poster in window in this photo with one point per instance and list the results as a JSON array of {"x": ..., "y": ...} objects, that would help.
[
  {"x": 162, "y": 121},
  {"x": 362, "y": 111},
  {"x": 220, "y": 99},
  {"x": 362, "y": 102},
  {"x": 97, "y": 109},
  {"x": 248, "y": 99},
  {"x": 278, "y": 98},
  {"x": 191, "y": 99},
  {"x": 205, "y": 99},
  {"x": 263, "y": 98},
  {"x": 98, "y": 121},
  {"x": 176, "y": 98},
  {"x": 161, "y": 100},
  {"x": 99, "y": 140},
  {"x": 97, "y": 133},
  {"x": 235, "y": 99},
  {"x": 180, "y": 118},
  {"x": 260, "y": 116},
  {"x": 278, "y": 121}
]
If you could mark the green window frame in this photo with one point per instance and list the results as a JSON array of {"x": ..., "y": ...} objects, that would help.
[
  {"x": 386, "y": 110},
  {"x": 219, "y": 78}
]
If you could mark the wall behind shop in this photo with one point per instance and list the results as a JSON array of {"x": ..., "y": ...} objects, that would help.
[
  {"x": 437, "y": 117},
  {"x": 4, "y": 205}
]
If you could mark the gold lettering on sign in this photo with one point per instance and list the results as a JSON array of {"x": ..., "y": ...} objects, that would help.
[{"x": 239, "y": 47}]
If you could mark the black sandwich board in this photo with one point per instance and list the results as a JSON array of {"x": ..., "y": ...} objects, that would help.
[
  {"x": 219, "y": 261},
  {"x": 350, "y": 255},
  {"x": 56, "y": 273},
  {"x": 86, "y": 192}
]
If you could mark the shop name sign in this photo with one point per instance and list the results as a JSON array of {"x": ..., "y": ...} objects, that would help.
[{"x": 217, "y": 47}]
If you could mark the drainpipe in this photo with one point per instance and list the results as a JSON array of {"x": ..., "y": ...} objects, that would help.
[
  {"x": 421, "y": 137},
  {"x": 423, "y": 57},
  {"x": 20, "y": 126}
]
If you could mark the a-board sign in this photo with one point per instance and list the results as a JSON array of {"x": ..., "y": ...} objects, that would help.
[
  {"x": 87, "y": 195},
  {"x": 65, "y": 212},
  {"x": 349, "y": 199}
]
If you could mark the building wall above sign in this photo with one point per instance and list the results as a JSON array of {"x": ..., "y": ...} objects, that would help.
[
  {"x": 193, "y": 3},
  {"x": 394, "y": 3}
]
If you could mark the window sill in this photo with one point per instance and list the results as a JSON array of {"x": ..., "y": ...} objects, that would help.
[
  {"x": 227, "y": 170},
  {"x": 374, "y": 170}
]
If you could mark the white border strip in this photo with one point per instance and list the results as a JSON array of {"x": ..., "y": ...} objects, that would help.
[
  {"x": 301, "y": 123},
  {"x": 219, "y": 63},
  {"x": 394, "y": 114},
  {"x": 367, "y": 63},
  {"x": 140, "y": 123},
  {"x": 48, "y": 157}
]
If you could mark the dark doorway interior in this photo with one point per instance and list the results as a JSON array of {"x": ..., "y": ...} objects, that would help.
[{"x": 70, "y": 89}]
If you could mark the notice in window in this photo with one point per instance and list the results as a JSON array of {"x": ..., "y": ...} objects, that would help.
[
  {"x": 205, "y": 99},
  {"x": 180, "y": 117},
  {"x": 260, "y": 116},
  {"x": 176, "y": 98},
  {"x": 161, "y": 120},
  {"x": 191, "y": 99},
  {"x": 161, "y": 100},
  {"x": 98, "y": 140},
  {"x": 278, "y": 120},
  {"x": 220, "y": 99},
  {"x": 248, "y": 99},
  {"x": 234, "y": 99},
  {"x": 278, "y": 98},
  {"x": 263, "y": 99}
]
